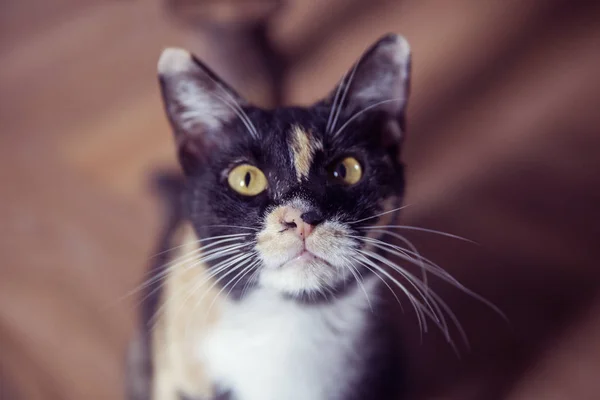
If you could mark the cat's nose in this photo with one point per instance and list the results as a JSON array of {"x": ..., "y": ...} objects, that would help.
[
  {"x": 313, "y": 217},
  {"x": 302, "y": 223}
]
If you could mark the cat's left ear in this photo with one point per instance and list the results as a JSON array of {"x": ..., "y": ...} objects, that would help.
[{"x": 377, "y": 83}]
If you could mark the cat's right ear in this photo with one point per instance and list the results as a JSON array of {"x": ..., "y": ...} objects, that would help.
[
  {"x": 378, "y": 84},
  {"x": 199, "y": 105}
]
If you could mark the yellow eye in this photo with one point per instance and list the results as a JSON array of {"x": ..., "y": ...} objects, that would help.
[
  {"x": 347, "y": 171},
  {"x": 247, "y": 180}
]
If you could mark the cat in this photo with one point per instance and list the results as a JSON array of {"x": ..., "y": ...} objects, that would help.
[{"x": 273, "y": 290}]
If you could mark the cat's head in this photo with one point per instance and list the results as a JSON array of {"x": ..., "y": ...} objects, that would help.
[{"x": 282, "y": 198}]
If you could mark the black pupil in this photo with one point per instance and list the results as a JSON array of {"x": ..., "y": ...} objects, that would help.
[
  {"x": 247, "y": 178},
  {"x": 340, "y": 171}
]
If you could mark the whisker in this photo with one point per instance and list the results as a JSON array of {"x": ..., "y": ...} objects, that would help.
[
  {"x": 234, "y": 105},
  {"x": 418, "y": 285},
  {"x": 226, "y": 251},
  {"x": 358, "y": 114},
  {"x": 355, "y": 274},
  {"x": 416, "y": 305},
  {"x": 415, "y": 252},
  {"x": 195, "y": 256},
  {"x": 253, "y": 262},
  {"x": 442, "y": 324},
  {"x": 334, "y": 103},
  {"x": 383, "y": 259},
  {"x": 393, "y": 292},
  {"x": 251, "y": 279},
  {"x": 384, "y": 282},
  {"x": 245, "y": 272},
  {"x": 241, "y": 114},
  {"x": 249, "y": 257},
  {"x": 329, "y": 292},
  {"x": 206, "y": 314},
  {"x": 156, "y": 289},
  {"x": 232, "y": 226},
  {"x": 195, "y": 288},
  {"x": 435, "y": 269},
  {"x": 345, "y": 93},
  {"x": 417, "y": 228},
  {"x": 436, "y": 302},
  {"x": 380, "y": 214},
  {"x": 170, "y": 266},
  {"x": 453, "y": 317},
  {"x": 415, "y": 283},
  {"x": 221, "y": 266},
  {"x": 200, "y": 241},
  {"x": 408, "y": 255}
]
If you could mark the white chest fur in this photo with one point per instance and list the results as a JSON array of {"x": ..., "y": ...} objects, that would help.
[{"x": 269, "y": 348}]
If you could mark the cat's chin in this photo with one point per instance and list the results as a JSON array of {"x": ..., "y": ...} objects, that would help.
[{"x": 304, "y": 276}]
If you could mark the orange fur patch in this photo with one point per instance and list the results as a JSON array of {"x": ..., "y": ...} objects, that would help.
[
  {"x": 181, "y": 319},
  {"x": 304, "y": 147}
]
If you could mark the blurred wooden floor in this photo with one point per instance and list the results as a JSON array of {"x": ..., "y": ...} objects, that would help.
[
  {"x": 504, "y": 148},
  {"x": 81, "y": 125}
]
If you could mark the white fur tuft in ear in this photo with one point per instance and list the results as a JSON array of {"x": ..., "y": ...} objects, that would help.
[
  {"x": 401, "y": 47},
  {"x": 196, "y": 100},
  {"x": 174, "y": 60},
  {"x": 401, "y": 56}
]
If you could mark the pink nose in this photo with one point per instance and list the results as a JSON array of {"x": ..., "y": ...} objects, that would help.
[{"x": 292, "y": 220}]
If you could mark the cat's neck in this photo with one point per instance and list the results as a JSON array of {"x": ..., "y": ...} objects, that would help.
[{"x": 262, "y": 329}]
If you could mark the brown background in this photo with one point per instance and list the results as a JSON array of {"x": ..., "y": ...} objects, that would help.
[{"x": 504, "y": 148}]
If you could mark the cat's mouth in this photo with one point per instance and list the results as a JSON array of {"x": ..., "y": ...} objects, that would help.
[
  {"x": 303, "y": 262},
  {"x": 303, "y": 258}
]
